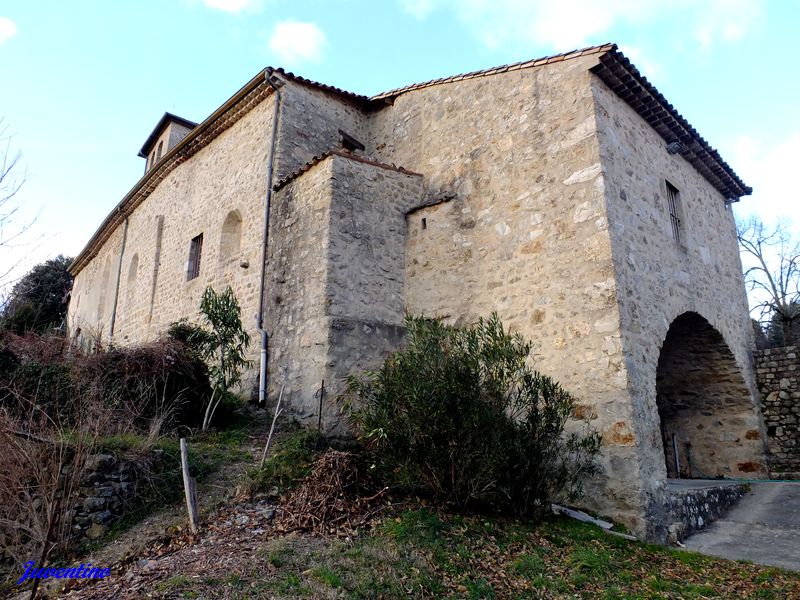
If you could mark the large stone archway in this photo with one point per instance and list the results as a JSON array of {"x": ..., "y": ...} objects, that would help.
[{"x": 710, "y": 427}]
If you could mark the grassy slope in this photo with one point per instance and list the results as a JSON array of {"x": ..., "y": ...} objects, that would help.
[{"x": 420, "y": 553}]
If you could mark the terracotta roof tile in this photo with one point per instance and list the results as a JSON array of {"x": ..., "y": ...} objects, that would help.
[
  {"x": 625, "y": 80},
  {"x": 344, "y": 154}
]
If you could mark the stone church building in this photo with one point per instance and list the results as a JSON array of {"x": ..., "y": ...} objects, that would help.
[{"x": 566, "y": 193}]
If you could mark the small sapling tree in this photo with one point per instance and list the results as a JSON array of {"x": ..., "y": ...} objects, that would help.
[{"x": 223, "y": 348}]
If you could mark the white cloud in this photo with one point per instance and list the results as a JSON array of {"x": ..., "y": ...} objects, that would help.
[
  {"x": 725, "y": 19},
  {"x": 567, "y": 24},
  {"x": 8, "y": 29},
  {"x": 771, "y": 171},
  {"x": 295, "y": 42},
  {"x": 418, "y": 8},
  {"x": 646, "y": 65},
  {"x": 233, "y": 6}
]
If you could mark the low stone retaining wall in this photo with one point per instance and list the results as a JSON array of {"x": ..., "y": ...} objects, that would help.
[
  {"x": 110, "y": 487},
  {"x": 693, "y": 505},
  {"x": 778, "y": 371}
]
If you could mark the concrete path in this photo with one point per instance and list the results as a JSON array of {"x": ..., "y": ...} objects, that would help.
[{"x": 764, "y": 527}]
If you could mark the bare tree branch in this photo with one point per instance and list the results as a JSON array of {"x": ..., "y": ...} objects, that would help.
[
  {"x": 771, "y": 257},
  {"x": 13, "y": 231}
]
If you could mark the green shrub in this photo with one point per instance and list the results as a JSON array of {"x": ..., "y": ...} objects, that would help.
[
  {"x": 460, "y": 414},
  {"x": 223, "y": 347}
]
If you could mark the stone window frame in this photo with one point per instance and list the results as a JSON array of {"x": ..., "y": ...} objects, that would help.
[
  {"x": 195, "y": 256},
  {"x": 676, "y": 213},
  {"x": 231, "y": 231}
]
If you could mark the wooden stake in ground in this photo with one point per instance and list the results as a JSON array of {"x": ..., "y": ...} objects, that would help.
[
  {"x": 189, "y": 487},
  {"x": 321, "y": 398},
  {"x": 278, "y": 411}
]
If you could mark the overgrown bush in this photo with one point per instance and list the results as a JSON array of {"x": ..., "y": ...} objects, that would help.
[
  {"x": 160, "y": 380},
  {"x": 42, "y": 466},
  {"x": 158, "y": 385},
  {"x": 461, "y": 415}
]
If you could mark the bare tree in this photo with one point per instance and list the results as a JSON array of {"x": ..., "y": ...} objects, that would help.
[
  {"x": 771, "y": 257},
  {"x": 12, "y": 177},
  {"x": 42, "y": 466}
]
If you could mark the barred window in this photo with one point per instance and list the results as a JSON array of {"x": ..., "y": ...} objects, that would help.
[
  {"x": 195, "y": 252},
  {"x": 674, "y": 202}
]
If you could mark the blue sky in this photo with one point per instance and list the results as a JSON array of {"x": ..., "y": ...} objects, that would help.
[{"x": 84, "y": 82}]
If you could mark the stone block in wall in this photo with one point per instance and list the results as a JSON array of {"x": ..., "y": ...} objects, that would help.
[
  {"x": 779, "y": 384},
  {"x": 109, "y": 487}
]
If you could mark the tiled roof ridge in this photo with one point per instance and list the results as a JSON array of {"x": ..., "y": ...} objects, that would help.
[
  {"x": 338, "y": 151},
  {"x": 316, "y": 84},
  {"x": 525, "y": 64}
]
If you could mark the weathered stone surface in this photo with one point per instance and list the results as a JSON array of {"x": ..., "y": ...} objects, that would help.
[
  {"x": 696, "y": 505},
  {"x": 703, "y": 401},
  {"x": 542, "y": 196},
  {"x": 780, "y": 403},
  {"x": 102, "y": 498}
]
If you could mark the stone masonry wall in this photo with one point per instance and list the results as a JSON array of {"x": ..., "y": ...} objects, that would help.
[
  {"x": 543, "y": 198},
  {"x": 694, "y": 508},
  {"x": 110, "y": 487},
  {"x": 521, "y": 230},
  {"x": 195, "y": 198},
  {"x": 337, "y": 279},
  {"x": 365, "y": 289},
  {"x": 295, "y": 301},
  {"x": 227, "y": 176},
  {"x": 779, "y": 382},
  {"x": 703, "y": 401},
  {"x": 658, "y": 279}
]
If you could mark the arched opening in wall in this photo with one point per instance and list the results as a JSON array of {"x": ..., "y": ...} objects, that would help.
[
  {"x": 709, "y": 426},
  {"x": 102, "y": 292},
  {"x": 130, "y": 283},
  {"x": 231, "y": 239}
]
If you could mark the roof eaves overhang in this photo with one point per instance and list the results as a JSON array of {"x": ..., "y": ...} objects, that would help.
[
  {"x": 624, "y": 79},
  {"x": 251, "y": 94}
]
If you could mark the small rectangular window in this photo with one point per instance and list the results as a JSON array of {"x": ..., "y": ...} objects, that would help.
[
  {"x": 195, "y": 251},
  {"x": 674, "y": 202}
]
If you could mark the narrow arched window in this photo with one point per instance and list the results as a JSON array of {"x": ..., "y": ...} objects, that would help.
[
  {"x": 133, "y": 274},
  {"x": 231, "y": 239},
  {"x": 158, "y": 151}
]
